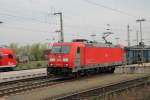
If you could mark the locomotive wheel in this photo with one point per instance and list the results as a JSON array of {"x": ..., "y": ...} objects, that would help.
[
  {"x": 111, "y": 70},
  {"x": 76, "y": 75}
]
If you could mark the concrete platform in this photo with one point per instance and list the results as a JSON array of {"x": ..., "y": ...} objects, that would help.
[
  {"x": 135, "y": 68},
  {"x": 22, "y": 74}
]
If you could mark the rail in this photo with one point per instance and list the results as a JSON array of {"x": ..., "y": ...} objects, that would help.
[
  {"x": 21, "y": 86},
  {"x": 109, "y": 89}
]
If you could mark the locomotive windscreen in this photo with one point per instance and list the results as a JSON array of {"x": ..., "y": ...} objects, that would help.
[{"x": 60, "y": 49}]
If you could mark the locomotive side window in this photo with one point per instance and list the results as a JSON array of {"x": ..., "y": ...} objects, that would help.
[
  {"x": 1, "y": 56},
  {"x": 10, "y": 56},
  {"x": 78, "y": 50}
]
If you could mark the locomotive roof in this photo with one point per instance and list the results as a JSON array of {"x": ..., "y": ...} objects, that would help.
[
  {"x": 5, "y": 50},
  {"x": 89, "y": 44},
  {"x": 67, "y": 43}
]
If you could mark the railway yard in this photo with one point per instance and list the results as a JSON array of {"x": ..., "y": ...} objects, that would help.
[
  {"x": 35, "y": 85},
  {"x": 74, "y": 50}
]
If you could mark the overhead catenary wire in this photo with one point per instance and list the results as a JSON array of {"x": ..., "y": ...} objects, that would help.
[
  {"x": 45, "y": 15},
  {"x": 88, "y": 1},
  {"x": 27, "y": 29},
  {"x": 39, "y": 21},
  {"x": 6, "y": 10},
  {"x": 66, "y": 25},
  {"x": 46, "y": 18},
  {"x": 109, "y": 8},
  {"x": 22, "y": 17}
]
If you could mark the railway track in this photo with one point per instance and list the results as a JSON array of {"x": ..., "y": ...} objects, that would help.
[
  {"x": 28, "y": 84},
  {"x": 107, "y": 90}
]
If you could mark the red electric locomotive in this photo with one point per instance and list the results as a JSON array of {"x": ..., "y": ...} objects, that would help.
[
  {"x": 82, "y": 57},
  {"x": 7, "y": 59}
]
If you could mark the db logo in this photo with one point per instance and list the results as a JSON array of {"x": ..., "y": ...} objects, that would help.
[{"x": 58, "y": 59}]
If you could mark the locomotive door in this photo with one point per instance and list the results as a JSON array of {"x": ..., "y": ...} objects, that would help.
[{"x": 77, "y": 60}]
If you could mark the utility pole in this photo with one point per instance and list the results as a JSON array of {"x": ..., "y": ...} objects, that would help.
[
  {"x": 149, "y": 43},
  {"x": 140, "y": 21},
  {"x": 137, "y": 37},
  {"x": 128, "y": 29},
  {"x": 117, "y": 40},
  {"x": 141, "y": 42},
  {"x": 61, "y": 26}
]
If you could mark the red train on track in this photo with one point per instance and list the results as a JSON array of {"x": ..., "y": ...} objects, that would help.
[
  {"x": 7, "y": 59},
  {"x": 81, "y": 57}
]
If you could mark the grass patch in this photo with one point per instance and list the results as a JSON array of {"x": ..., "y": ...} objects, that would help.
[{"x": 31, "y": 65}]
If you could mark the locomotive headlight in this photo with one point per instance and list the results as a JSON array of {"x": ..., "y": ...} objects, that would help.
[
  {"x": 52, "y": 59},
  {"x": 65, "y": 59}
]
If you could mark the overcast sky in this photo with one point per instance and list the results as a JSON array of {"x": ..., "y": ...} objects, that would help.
[{"x": 32, "y": 21}]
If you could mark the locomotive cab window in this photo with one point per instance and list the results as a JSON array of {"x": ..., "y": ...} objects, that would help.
[
  {"x": 10, "y": 56},
  {"x": 61, "y": 49}
]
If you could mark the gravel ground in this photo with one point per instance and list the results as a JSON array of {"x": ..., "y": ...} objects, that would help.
[
  {"x": 135, "y": 94},
  {"x": 70, "y": 87}
]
